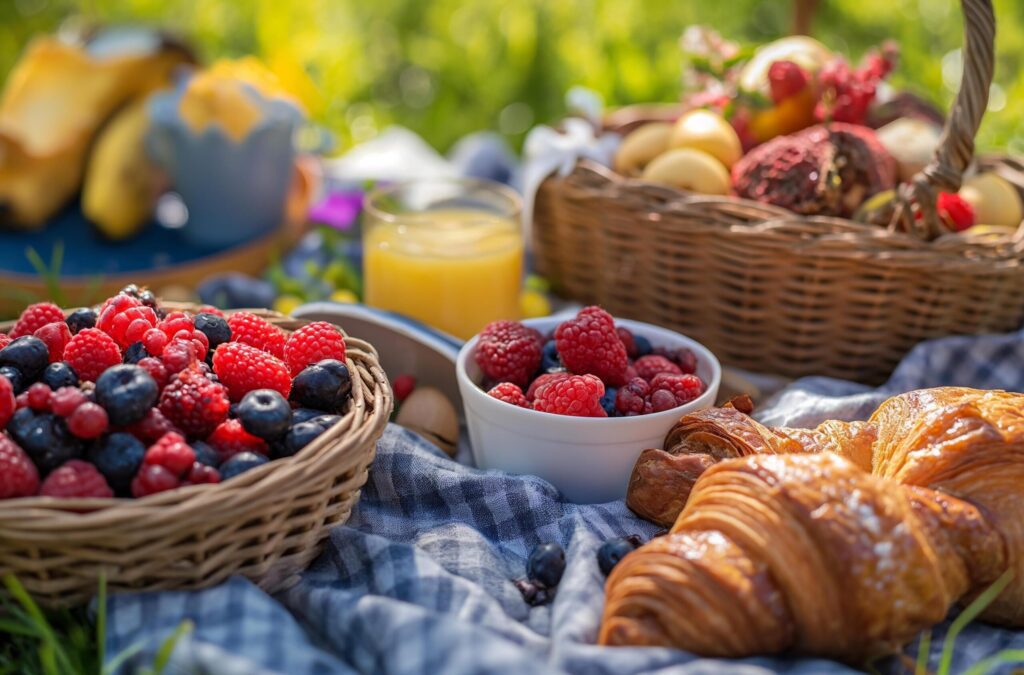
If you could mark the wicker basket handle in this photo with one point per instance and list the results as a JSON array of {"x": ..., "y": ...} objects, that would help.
[{"x": 956, "y": 146}]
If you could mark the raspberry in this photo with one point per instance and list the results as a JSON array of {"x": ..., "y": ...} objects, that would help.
[
  {"x": 153, "y": 478},
  {"x": 589, "y": 344},
  {"x": 257, "y": 332},
  {"x": 194, "y": 404},
  {"x": 541, "y": 380},
  {"x": 8, "y": 404},
  {"x": 242, "y": 368},
  {"x": 152, "y": 427},
  {"x": 649, "y": 366},
  {"x": 627, "y": 341},
  {"x": 174, "y": 323},
  {"x": 201, "y": 473},
  {"x": 684, "y": 388},
  {"x": 22, "y": 400},
  {"x": 91, "y": 352},
  {"x": 509, "y": 393},
  {"x": 210, "y": 309},
  {"x": 66, "y": 401},
  {"x": 508, "y": 351},
  {"x": 231, "y": 438},
  {"x": 39, "y": 397},
  {"x": 631, "y": 373},
  {"x": 403, "y": 386},
  {"x": 577, "y": 395},
  {"x": 313, "y": 343},
  {"x": 35, "y": 317},
  {"x": 154, "y": 340},
  {"x": 172, "y": 453},
  {"x": 682, "y": 357},
  {"x": 629, "y": 400},
  {"x": 659, "y": 401},
  {"x": 178, "y": 356},
  {"x": 56, "y": 337},
  {"x": 5, "y": 340},
  {"x": 126, "y": 325},
  {"x": 75, "y": 478},
  {"x": 156, "y": 369},
  {"x": 89, "y": 421},
  {"x": 180, "y": 326},
  {"x": 18, "y": 475}
]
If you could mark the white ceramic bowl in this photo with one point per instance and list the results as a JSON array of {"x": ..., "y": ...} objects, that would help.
[{"x": 588, "y": 459}]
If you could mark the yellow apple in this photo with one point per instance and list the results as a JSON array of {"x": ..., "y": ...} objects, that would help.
[
  {"x": 706, "y": 131},
  {"x": 995, "y": 200},
  {"x": 641, "y": 146},
  {"x": 689, "y": 169}
]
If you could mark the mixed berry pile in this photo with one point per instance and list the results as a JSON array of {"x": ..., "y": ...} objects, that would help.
[
  {"x": 588, "y": 367},
  {"x": 131, "y": 399}
]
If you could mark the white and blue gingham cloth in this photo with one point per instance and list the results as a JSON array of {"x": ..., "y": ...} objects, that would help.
[{"x": 419, "y": 581}]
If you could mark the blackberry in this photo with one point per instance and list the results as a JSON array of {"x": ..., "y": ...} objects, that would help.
[
  {"x": 265, "y": 413},
  {"x": 325, "y": 385},
  {"x": 45, "y": 438},
  {"x": 130, "y": 289},
  {"x": 59, "y": 374},
  {"x": 118, "y": 457},
  {"x": 28, "y": 354},
  {"x": 298, "y": 437},
  {"x": 148, "y": 299},
  {"x": 214, "y": 327},
  {"x": 614, "y": 550},
  {"x": 15, "y": 377},
  {"x": 136, "y": 352},
  {"x": 546, "y": 565},
  {"x": 80, "y": 319},
  {"x": 127, "y": 393},
  {"x": 241, "y": 463}
]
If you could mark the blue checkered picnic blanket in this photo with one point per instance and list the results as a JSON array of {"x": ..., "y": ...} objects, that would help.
[{"x": 419, "y": 580}]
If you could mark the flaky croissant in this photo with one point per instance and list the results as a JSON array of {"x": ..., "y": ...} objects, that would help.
[{"x": 791, "y": 545}]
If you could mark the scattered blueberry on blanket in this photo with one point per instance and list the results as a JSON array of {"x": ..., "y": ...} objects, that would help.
[
  {"x": 614, "y": 550},
  {"x": 546, "y": 564}
]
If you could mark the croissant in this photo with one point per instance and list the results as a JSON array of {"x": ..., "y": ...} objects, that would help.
[{"x": 844, "y": 541}]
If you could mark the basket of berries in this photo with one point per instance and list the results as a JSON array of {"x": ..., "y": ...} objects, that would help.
[
  {"x": 789, "y": 218},
  {"x": 170, "y": 446}
]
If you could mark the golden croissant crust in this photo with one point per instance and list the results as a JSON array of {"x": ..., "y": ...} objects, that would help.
[{"x": 843, "y": 541}]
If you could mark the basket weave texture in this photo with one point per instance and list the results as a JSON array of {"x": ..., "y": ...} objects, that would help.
[
  {"x": 266, "y": 524},
  {"x": 772, "y": 291}
]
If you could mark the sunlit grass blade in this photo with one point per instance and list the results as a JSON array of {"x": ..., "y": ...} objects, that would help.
[
  {"x": 1000, "y": 658},
  {"x": 924, "y": 648},
  {"x": 51, "y": 651},
  {"x": 163, "y": 655},
  {"x": 101, "y": 619},
  {"x": 970, "y": 613},
  {"x": 121, "y": 658}
]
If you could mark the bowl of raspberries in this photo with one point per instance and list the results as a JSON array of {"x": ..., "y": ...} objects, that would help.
[
  {"x": 143, "y": 426},
  {"x": 576, "y": 400}
]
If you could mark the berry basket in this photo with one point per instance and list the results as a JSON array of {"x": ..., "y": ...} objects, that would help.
[
  {"x": 772, "y": 291},
  {"x": 266, "y": 524}
]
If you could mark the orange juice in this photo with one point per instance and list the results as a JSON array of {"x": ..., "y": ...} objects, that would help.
[{"x": 456, "y": 269}]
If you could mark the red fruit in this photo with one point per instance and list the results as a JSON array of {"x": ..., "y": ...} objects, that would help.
[
  {"x": 66, "y": 401},
  {"x": 39, "y": 397},
  {"x": 652, "y": 364},
  {"x": 684, "y": 388},
  {"x": 156, "y": 369},
  {"x": 90, "y": 352},
  {"x": 630, "y": 398},
  {"x": 22, "y": 400},
  {"x": 590, "y": 344},
  {"x": 171, "y": 452},
  {"x": 577, "y": 395},
  {"x": 5, "y": 340},
  {"x": 546, "y": 378},
  {"x": 312, "y": 343},
  {"x": 75, "y": 478},
  {"x": 201, "y": 473},
  {"x": 153, "y": 478},
  {"x": 8, "y": 404},
  {"x": 509, "y": 393},
  {"x": 154, "y": 341},
  {"x": 152, "y": 427},
  {"x": 210, "y": 309},
  {"x": 56, "y": 336},
  {"x": 35, "y": 317},
  {"x": 128, "y": 325},
  {"x": 194, "y": 404},
  {"x": 508, "y": 351},
  {"x": 230, "y": 438},
  {"x": 178, "y": 355},
  {"x": 174, "y": 323},
  {"x": 242, "y": 368},
  {"x": 682, "y": 357},
  {"x": 627, "y": 341},
  {"x": 659, "y": 401},
  {"x": 18, "y": 475},
  {"x": 403, "y": 386},
  {"x": 955, "y": 211},
  {"x": 257, "y": 332},
  {"x": 786, "y": 80},
  {"x": 89, "y": 421}
]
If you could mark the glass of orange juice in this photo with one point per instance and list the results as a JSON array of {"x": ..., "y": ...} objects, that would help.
[{"x": 448, "y": 252}]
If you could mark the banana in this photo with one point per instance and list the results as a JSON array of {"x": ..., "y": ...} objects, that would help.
[{"x": 120, "y": 186}]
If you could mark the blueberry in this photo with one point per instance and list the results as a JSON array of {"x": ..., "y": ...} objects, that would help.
[
  {"x": 236, "y": 291},
  {"x": 214, "y": 327},
  {"x": 59, "y": 374},
  {"x": 614, "y": 550},
  {"x": 241, "y": 463},
  {"x": 205, "y": 454},
  {"x": 551, "y": 362},
  {"x": 15, "y": 377},
  {"x": 265, "y": 413},
  {"x": 325, "y": 386},
  {"x": 326, "y": 421},
  {"x": 80, "y": 319},
  {"x": 643, "y": 345},
  {"x": 28, "y": 354},
  {"x": 608, "y": 401},
  {"x": 300, "y": 415},
  {"x": 127, "y": 393},
  {"x": 118, "y": 457},
  {"x": 136, "y": 352},
  {"x": 546, "y": 565},
  {"x": 298, "y": 437},
  {"x": 45, "y": 438}
]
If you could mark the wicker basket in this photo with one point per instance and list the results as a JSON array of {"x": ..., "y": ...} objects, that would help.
[
  {"x": 266, "y": 524},
  {"x": 772, "y": 291}
]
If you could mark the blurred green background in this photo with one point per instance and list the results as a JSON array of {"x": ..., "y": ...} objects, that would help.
[{"x": 448, "y": 67}]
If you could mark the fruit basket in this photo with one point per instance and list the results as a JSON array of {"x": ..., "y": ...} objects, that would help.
[
  {"x": 771, "y": 290},
  {"x": 266, "y": 524}
]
